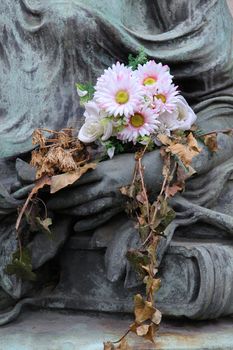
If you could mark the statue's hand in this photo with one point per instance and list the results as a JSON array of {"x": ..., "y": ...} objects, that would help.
[
  {"x": 96, "y": 197},
  {"x": 19, "y": 184},
  {"x": 119, "y": 236},
  {"x": 102, "y": 183}
]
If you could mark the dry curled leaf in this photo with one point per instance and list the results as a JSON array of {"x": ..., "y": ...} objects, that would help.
[
  {"x": 128, "y": 191},
  {"x": 152, "y": 284},
  {"x": 109, "y": 346},
  {"x": 143, "y": 309},
  {"x": 172, "y": 190},
  {"x": 60, "y": 181},
  {"x": 164, "y": 139},
  {"x": 123, "y": 345},
  {"x": 210, "y": 141},
  {"x": 142, "y": 330},
  {"x": 146, "y": 331},
  {"x": 185, "y": 152},
  {"x": 60, "y": 154},
  {"x": 44, "y": 181},
  {"x": 157, "y": 317},
  {"x": 38, "y": 138},
  {"x": 151, "y": 333}
]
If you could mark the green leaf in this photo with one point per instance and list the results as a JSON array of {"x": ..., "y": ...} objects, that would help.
[
  {"x": 134, "y": 61},
  {"x": 170, "y": 216},
  {"x": 36, "y": 224},
  {"x": 43, "y": 226},
  {"x": 90, "y": 92},
  {"x": 21, "y": 267},
  {"x": 137, "y": 260},
  {"x": 113, "y": 142}
]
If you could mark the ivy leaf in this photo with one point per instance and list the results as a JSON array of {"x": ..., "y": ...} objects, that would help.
[
  {"x": 114, "y": 143},
  {"x": 185, "y": 152},
  {"x": 137, "y": 260},
  {"x": 22, "y": 268},
  {"x": 143, "y": 309},
  {"x": 134, "y": 61},
  {"x": 43, "y": 226},
  {"x": 168, "y": 218}
]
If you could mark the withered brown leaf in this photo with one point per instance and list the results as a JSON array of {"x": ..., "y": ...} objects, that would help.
[
  {"x": 38, "y": 138},
  {"x": 60, "y": 181},
  {"x": 210, "y": 141},
  {"x": 109, "y": 346},
  {"x": 185, "y": 151},
  {"x": 146, "y": 331},
  {"x": 152, "y": 284},
  {"x": 152, "y": 329},
  {"x": 157, "y": 317},
  {"x": 38, "y": 185},
  {"x": 143, "y": 309},
  {"x": 172, "y": 190},
  {"x": 142, "y": 330},
  {"x": 164, "y": 139},
  {"x": 123, "y": 345}
]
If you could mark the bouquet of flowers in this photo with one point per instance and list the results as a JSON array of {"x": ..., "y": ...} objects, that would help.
[{"x": 133, "y": 107}]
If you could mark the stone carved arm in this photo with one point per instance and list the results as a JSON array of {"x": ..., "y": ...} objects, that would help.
[{"x": 96, "y": 197}]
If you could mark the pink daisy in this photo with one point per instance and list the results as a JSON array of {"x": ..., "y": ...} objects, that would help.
[
  {"x": 151, "y": 74},
  {"x": 141, "y": 123},
  {"x": 165, "y": 98},
  {"x": 118, "y": 91}
]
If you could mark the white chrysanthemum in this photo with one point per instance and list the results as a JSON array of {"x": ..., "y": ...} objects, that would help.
[
  {"x": 141, "y": 123},
  {"x": 164, "y": 98},
  {"x": 118, "y": 91},
  {"x": 183, "y": 117},
  {"x": 96, "y": 125},
  {"x": 152, "y": 74}
]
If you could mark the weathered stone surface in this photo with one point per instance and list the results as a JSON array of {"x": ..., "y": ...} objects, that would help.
[
  {"x": 44, "y": 330},
  {"x": 192, "y": 281}
]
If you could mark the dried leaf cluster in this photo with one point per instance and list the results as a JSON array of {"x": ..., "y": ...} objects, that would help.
[
  {"x": 152, "y": 219},
  {"x": 60, "y": 159},
  {"x": 57, "y": 154}
]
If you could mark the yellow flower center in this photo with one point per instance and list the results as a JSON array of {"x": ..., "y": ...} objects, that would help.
[
  {"x": 122, "y": 97},
  {"x": 149, "y": 81},
  {"x": 161, "y": 97},
  {"x": 137, "y": 120}
]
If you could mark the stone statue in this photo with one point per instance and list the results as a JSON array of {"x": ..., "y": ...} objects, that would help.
[{"x": 44, "y": 49}]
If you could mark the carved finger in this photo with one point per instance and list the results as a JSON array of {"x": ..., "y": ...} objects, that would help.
[
  {"x": 91, "y": 176},
  {"x": 94, "y": 207},
  {"x": 95, "y": 221},
  {"x": 25, "y": 172},
  {"x": 23, "y": 192},
  {"x": 72, "y": 197},
  {"x": 115, "y": 257}
]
